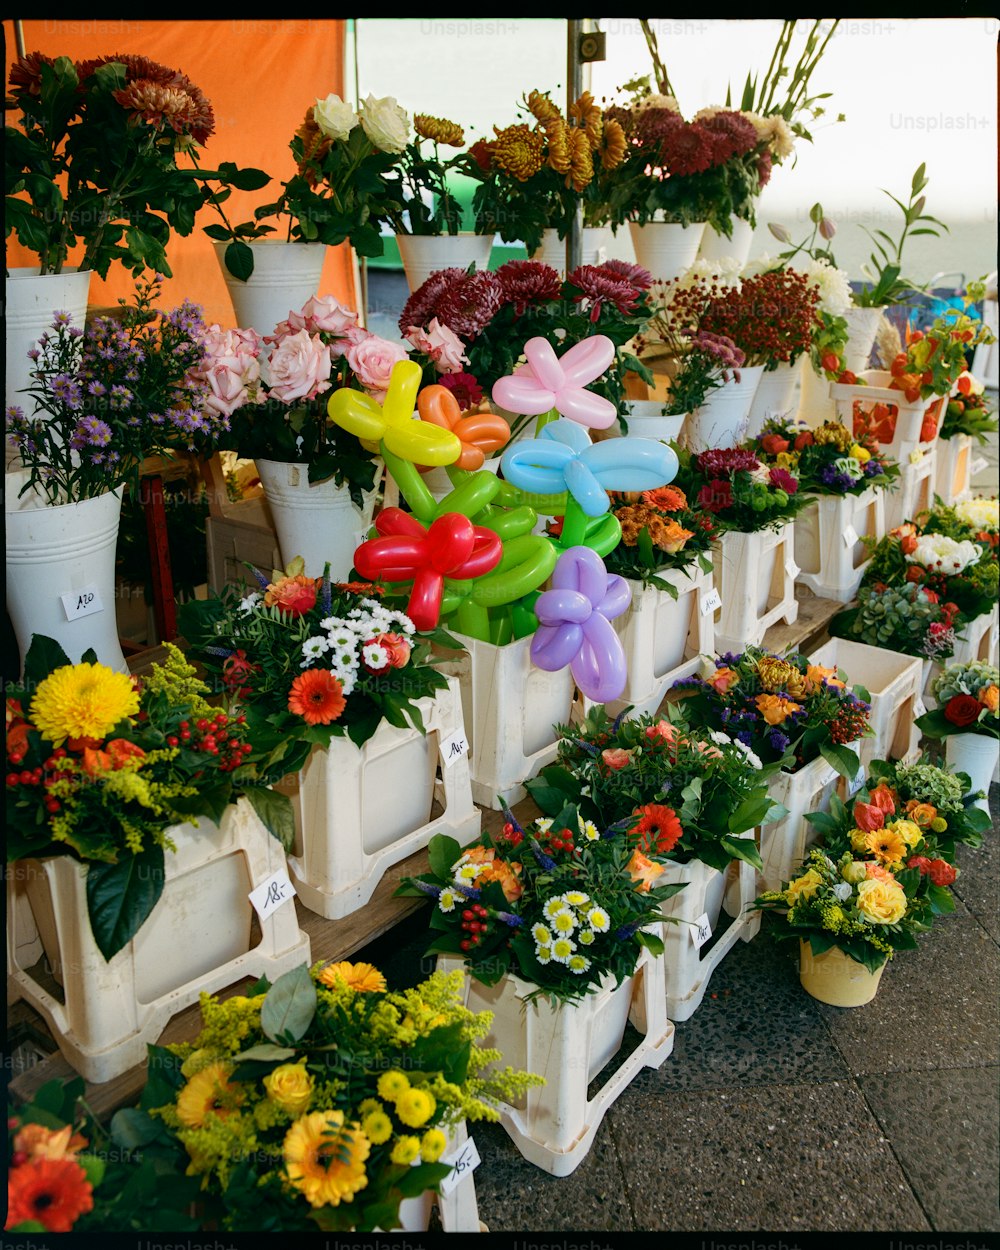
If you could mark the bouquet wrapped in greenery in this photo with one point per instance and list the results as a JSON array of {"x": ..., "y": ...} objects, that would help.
[
  {"x": 826, "y": 460},
  {"x": 661, "y": 532},
  {"x": 739, "y": 490},
  {"x": 968, "y": 699}
]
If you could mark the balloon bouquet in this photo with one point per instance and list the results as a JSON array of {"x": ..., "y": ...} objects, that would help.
[{"x": 472, "y": 559}]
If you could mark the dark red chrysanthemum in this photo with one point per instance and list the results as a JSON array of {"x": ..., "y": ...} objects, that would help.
[
  {"x": 730, "y": 135},
  {"x": 638, "y": 277},
  {"x": 686, "y": 151},
  {"x": 527, "y": 282},
  {"x": 422, "y": 306},
  {"x": 465, "y": 387},
  {"x": 764, "y": 164},
  {"x": 26, "y": 72},
  {"x": 600, "y": 287},
  {"x": 716, "y": 496},
  {"x": 725, "y": 460},
  {"x": 652, "y": 126},
  {"x": 468, "y": 306},
  {"x": 158, "y": 94}
]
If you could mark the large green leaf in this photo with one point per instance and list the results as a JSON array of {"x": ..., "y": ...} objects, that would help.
[
  {"x": 442, "y": 853},
  {"x": 121, "y": 896},
  {"x": 275, "y": 811},
  {"x": 289, "y": 1006},
  {"x": 841, "y": 758},
  {"x": 132, "y": 1128},
  {"x": 44, "y": 655}
]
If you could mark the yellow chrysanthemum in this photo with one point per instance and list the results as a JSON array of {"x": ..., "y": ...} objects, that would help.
[
  {"x": 377, "y": 1127},
  {"x": 326, "y": 1159},
  {"x": 518, "y": 151},
  {"x": 432, "y": 1145},
  {"x": 613, "y": 144},
  {"x": 405, "y": 1150},
  {"x": 82, "y": 701},
  {"x": 887, "y": 845},
  {"x": 590, "y": 117},
  {"x": 207, "y": 1093},
  {"x": 541, "y": 106},
  {"x": 415, "y": 1107},
  {"x": 581, "y": 172},
  {"x": 557, "y": 134},
  {"x": 778, "y": 674},
  {"x": 365, "y": 978},
  {"x": 439, "y": 129},
  {"x": 393, "y": 1084}
]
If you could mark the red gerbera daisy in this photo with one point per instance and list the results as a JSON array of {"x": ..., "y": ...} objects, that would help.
[
  {"x": 465, "y": 387},
  {"x": 317, "y": 696},
  {"x": 55, "y": 1192},
  {"x": 658, "y": 831}
]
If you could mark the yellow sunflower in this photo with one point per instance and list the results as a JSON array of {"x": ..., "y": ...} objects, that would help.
[
  {"x": 208, "y": 1093},
  {"x": 365, "y": 978},
  {"x": 325, "y": 1159},
  {"x": 82, "y": 701}
]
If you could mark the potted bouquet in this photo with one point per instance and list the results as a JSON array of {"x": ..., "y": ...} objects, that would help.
[
  {"x": 337, "y": 688},
  {"x": 848, "y": 476},
  {"x": 665, "y": 554},
  {"x": 469, "y": 329},
  {"x": 533, "y": 176},
  {"x": 320, "y": 480},
  {"x": 967, "y": 416},
  {"x": 692, "y": 795},
  {"x": 967, "y": 718},
  {"x": 555, "y": 924},
  {"x": 792, "y": 712},
  {"x": 326, "y": 1101},
  {"x": 105, "y": 399},
  {"x": 428, "y": 216},
  {"x": 339, "y": 192},
  {"x": 754, "y": 506},
  {"x": 136, "y": 784}
]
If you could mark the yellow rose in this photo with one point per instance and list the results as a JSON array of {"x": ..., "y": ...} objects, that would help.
[
  {"x": 860, "y": 453},
  {"x": 909, "y": 831},
  {"x": 858, "y": 840},
  {"x": 854, "y": 871},
  {"x": 882, "y": 902},
  {"x": 290, "y": 1087},
  {"x": 803, "y": 887}
]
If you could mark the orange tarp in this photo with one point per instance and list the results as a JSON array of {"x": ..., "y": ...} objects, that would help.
[{"x": 260, "y": 77}]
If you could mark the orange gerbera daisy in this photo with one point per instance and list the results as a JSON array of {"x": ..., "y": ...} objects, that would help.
[
  {"x": 666, "y": 498},
  {"x": 658, "y": 831},
  {"x": 53, "y": 1192},
  {"x": 365, "y": 978},
  {"x": 317, "y": 696}
]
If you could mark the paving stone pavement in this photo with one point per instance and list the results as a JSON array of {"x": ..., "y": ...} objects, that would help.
[{"x": 779, "y": 1112}]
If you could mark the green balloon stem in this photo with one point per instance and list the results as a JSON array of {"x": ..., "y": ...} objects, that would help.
[
  {"x": 575, "y": 524},
  {"x": 546, "y": 418}
]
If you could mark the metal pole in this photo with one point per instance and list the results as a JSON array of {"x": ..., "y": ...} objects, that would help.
[
  {"x": 19, "y": 38},
  {"x": 360, "y": 261},
  {"x": 574, "y": 85}
]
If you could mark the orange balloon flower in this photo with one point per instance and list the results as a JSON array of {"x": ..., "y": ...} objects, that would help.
[{"x": 479, "y": 432}]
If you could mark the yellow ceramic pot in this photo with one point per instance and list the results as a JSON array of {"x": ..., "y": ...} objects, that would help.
[{"x": 836, "y": 978}]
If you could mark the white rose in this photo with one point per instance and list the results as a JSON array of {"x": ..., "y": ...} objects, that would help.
[
  {"x": 335, "y": 117},
  {"x": 385, "y": 123}
]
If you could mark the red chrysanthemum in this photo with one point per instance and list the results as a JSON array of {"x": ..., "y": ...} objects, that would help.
[
  {"x": 469, "y": 305},
  {"x": 652, "y": 126},
  {"x": 765, "y": 162},
  {"x": 465, "y": 387},
  {"x": 730, "y": 135},
  {"x": 600, "y": 287},
  {"x": 317, "y": 696},
  {"x": 658, "y": 831},
  {"x": 26, "y": 72},
  {"x": 635, "y": 275},
  {"x": 422, "y": 306},
  {"x": 482, "y": 153},
  {"x": 527, "y": 282},
  {"x": 54, "y": 1192},
  {"x": 725, "y": 460},
  {"x": 687, "y": 150}
]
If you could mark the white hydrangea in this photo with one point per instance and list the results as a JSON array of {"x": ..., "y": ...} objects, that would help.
[
  {"x": 833, "y": 284},
  {"x": 938, "y": 551}
]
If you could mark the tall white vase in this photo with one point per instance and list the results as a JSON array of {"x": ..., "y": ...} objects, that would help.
[
  {"x": 666, "y": 248},
  {"x": 862, "y": 326},
  {"x": 31, "y": 299},
  {"x": 646, "y": 420},
  {"x": 774, "y": 397},
  {"x": 284, "y": 276},
  {"x": 61, "y": 571},
  {"x": 977, "y": 755},
  {"x": 723, "y": 418},
  {"x": 424, "y": 254},
  {"x": 316, "y": 520},
  {"x": 594, "y": 250},
  {"x": 715, "y": 246}
]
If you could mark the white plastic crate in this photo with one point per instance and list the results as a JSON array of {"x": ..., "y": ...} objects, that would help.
[
  {"x": 510, "y": 708},
  {"x": 687, "y": 970},
  {"x": 570, "y": 1044},
  {"x": 828, "y": 549},
  {"x": 979, "y": 640},
  {"x": 664, "y": 637},
  {"x": 873, "y": 388},
  {"x": 953, "y": 468},
  {"x": 197, "y": 938},
  {"x": 913, "y": 490},
  {"x": 895, "y": 683},
  {"x": 755, "y": 576},
  {"x": 783, "y": 843},
  {"x": 358, "y": 811}
]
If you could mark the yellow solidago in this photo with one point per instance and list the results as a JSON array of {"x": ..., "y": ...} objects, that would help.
[
  {"x": 179, "y": 681},
  {"x": 82, "y": 701}
]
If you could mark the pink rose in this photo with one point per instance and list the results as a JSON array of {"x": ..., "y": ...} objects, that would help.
[
  {"x": 442, "y": 344},
  {"x": 662, "y": 729},
  {"x": 323, "y": 312},
  {"x": 616, "y": 757},
  {"x": 299, "y": 368},
  {"x": 231, "y": 370},
  {"x": 372, "y": 361}
]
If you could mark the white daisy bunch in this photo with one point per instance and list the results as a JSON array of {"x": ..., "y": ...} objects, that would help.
[
  {"x": 573, "y": 922},
  {"x": 371, "y": 635}
]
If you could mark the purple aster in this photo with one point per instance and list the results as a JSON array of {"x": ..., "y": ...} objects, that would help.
[{"x": 94, "y": 431}]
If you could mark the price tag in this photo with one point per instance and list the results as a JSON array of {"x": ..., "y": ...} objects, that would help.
[
  {"x": 710, "y": 602},
  {"x": 464, "y": 1161},
  {"x": 454, "y": 747},
  {"x": 918, "y": 707},
  {"x": 978, "y": 465},
  {"x": 83, "y": 602},
  {"x": 994, "y": 637},
  {"x": 701, "y": 931},
  {"x": 857, "y": 783},
  {"x": 272, "y": 893},
  {"x": 850, "y": 536}
]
